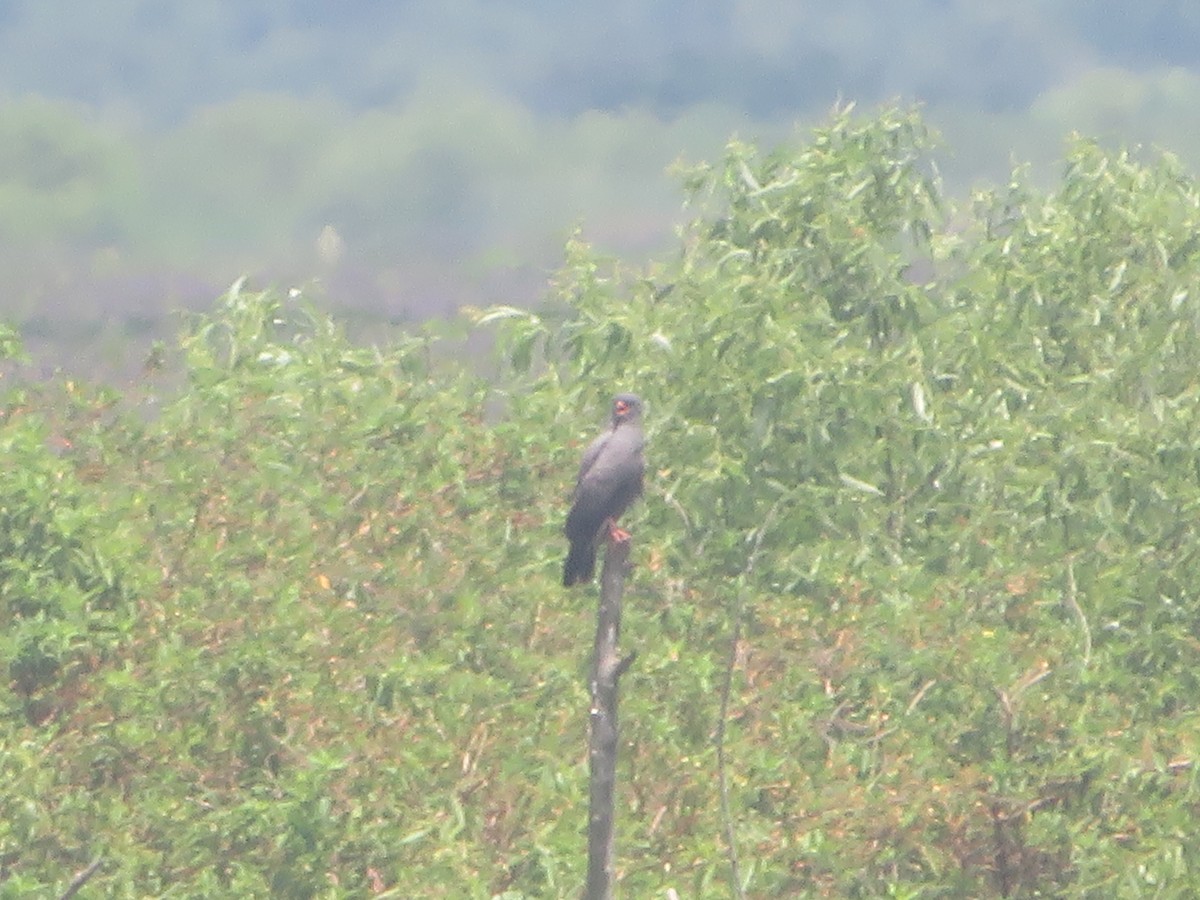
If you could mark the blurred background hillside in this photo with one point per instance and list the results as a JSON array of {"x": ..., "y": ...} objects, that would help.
[{"x": 406, "y": 158}]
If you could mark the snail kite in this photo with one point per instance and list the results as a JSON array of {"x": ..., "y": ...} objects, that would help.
[{"x": 610, "y": 478}]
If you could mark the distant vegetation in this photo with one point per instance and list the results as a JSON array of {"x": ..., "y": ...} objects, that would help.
[
  {"x": 150, "y": 154},
  {"x": 294, "y": 628}
]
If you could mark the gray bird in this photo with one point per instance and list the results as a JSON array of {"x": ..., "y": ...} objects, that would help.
[{"x": 610, "y": 478}]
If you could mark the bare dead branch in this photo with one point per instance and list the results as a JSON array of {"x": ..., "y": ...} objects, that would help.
[{"x": 607, "y": 667}]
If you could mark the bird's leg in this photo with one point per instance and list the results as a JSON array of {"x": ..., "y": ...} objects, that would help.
[{"x": 615, "y": 534}]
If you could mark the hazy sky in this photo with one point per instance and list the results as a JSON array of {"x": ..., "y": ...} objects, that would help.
[
  {"x": 159, "y": 60},
  {"x": 449, "y": 142}
]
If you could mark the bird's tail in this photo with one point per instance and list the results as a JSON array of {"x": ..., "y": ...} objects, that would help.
[{"x": 581, "y": 563}]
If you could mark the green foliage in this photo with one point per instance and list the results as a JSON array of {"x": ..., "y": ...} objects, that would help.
[
  {"x": 958, "y": 505},
  {"x": 64, "y": 599},
  {"x": 296, "y": 630}
]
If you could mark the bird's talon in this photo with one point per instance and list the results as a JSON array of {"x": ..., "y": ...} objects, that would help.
[{"x": 618, "y": 535}]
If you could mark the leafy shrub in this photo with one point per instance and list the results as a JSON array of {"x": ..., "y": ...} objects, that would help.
[
  {"x": 300, "y": 633},
  {"x": 954, "y": 507},
  {"x": 64, "y": 601}
]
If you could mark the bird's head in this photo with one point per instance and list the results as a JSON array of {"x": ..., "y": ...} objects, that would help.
[{"x": 626, "y": 408}]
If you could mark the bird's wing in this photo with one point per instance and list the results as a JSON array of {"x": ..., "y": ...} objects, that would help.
[
  {"x": 591, "y": 454},
  {"x": 612, "y": 464},
  {"x": 609, "y": 479}
]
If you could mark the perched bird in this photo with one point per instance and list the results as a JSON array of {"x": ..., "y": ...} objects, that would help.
[{"x": 610, "y": 478}]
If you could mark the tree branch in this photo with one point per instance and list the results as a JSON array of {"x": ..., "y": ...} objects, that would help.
[{"x": 607, "y": 668}]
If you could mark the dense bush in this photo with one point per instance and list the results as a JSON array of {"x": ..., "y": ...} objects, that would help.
[{"x": 296, "y": 630}]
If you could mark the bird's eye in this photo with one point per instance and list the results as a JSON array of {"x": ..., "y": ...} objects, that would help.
[{"x": 622, "y": 407}]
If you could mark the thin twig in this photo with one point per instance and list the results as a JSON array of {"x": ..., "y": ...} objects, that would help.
[
  {"x": 912, "y": 704},
  {"x": 722, "y": 780},
  {"x": 735, "y": 638},
  {"x": 1072, "y": 602},
  {"x": 81, "y": 879}
]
